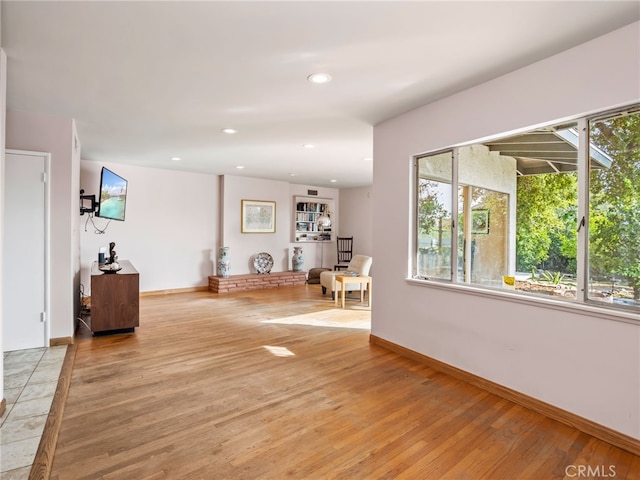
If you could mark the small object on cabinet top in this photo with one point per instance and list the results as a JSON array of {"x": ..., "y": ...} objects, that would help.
[{"x": 110, "y": 267}]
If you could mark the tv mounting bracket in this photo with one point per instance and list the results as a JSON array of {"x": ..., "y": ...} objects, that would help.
[{"x": 94, "y": 204}]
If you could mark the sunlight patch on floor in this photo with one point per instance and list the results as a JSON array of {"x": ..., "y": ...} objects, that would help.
[
  {"x": 337, "y": 318},
  {"x": 279, "y": 351}
]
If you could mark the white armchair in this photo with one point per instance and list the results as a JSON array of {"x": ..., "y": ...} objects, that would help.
[{"x": 359, "y": 263}]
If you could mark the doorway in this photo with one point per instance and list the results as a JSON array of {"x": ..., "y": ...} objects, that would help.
[{"x": 25, "y": 256}]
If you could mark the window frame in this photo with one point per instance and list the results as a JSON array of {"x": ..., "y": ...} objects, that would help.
[{"x": 581, "y": 303}]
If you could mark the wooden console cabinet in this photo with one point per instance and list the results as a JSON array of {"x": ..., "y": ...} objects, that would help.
[{"x": 115, "y": 299}]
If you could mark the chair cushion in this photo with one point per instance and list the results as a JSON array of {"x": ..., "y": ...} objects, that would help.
[{"x": 359, "y": 263}]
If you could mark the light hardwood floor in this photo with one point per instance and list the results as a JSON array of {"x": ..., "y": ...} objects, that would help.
[{"x": 277, "y": 384}]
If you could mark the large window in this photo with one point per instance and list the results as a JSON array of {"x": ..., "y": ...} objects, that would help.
[
  {"x": 434, "y": 217},
  {"x": 509, "y": 213},
  {"x": 614, "y": 210}
]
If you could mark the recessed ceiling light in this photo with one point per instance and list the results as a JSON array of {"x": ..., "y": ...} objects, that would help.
[
  {"x": 333, "y": 180},
  {"x": 176, "y": 159},
  {"x": 319, "y": 78},
  {"x": 229, "y": 131},
  {"x": 367, "y": 159},
  {"x": 292, "y": 174},
  {"x": 308, "y": 145},
  {"x": 240, "y": 167}
]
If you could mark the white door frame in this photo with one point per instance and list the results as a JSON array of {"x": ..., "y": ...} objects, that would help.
[{"x": 47, "y": 235}]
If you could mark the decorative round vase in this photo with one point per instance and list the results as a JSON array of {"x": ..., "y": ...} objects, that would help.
[
  {"x": 298, "y": 260},
  {"x": 223, "y": 262}
]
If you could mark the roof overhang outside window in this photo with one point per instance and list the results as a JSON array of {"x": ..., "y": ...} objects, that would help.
[{"x": 547, "y": 151}]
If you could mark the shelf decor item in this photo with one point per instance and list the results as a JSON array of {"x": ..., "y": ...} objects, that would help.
[
  {"x": 298, "y": 259},
  {"x": 258, "y": 216},
  {"x": 111, "y": 264},
  {"x": 110, "y": 268},
  {"x": 263, "y": 262},
  {"x": 223, "y": 262}
]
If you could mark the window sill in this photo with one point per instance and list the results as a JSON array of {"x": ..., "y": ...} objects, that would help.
[{"x": 572, "y": 306}]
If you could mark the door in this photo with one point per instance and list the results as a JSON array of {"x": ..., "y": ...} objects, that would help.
[{"x": 25, "y": 243}]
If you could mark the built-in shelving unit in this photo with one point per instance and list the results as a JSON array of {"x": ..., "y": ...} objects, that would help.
[{"x": 306, "y": 213}]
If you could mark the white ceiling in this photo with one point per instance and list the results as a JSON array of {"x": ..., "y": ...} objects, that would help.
[{"x": 147, "y": 81}]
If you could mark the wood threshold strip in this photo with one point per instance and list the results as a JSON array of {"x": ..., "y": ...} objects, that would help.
[
  {"x": 43, "y": 461},
  {"x": 587, "y": 426},
  {"x": 60, "y": 341}
]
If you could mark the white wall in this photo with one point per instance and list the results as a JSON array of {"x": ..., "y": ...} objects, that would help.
[
  {"x": 3, "y": 110},
  {"x": 75, "y": 219},
  {"x": 588, "y": 365},
  {"x": 176, "y": 221},
  {"x": 244, "y": 246},
  {"x": 55, "y": 135},
  {"x": 185, "y": 228},
  {"x": 356, "y": 220},
  {"x": 170, "y": 229}
]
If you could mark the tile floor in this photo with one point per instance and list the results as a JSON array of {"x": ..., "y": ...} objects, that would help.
[{"x": 30, "y": 381}]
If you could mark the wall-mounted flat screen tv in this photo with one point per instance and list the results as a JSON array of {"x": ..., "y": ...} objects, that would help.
[{"x": 113, "y": 195}]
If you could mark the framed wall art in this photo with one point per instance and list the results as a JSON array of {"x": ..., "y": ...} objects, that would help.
[{"x": 258, "y": 216}]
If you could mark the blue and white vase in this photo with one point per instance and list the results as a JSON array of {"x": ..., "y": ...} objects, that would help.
[
  {"x": 223, "y": 262},
  {"x": 298, "y": 259}
]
